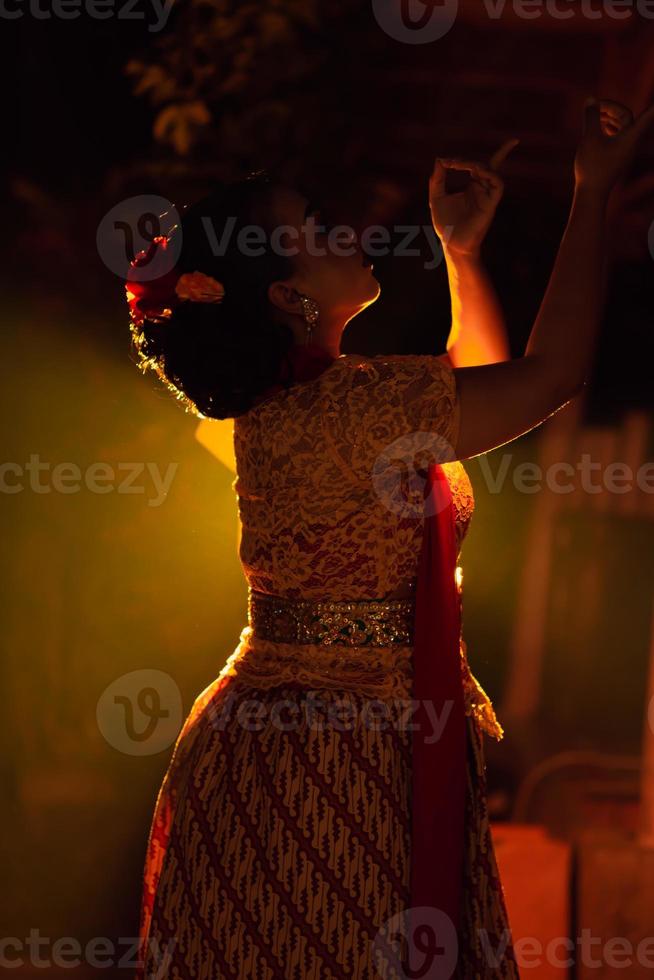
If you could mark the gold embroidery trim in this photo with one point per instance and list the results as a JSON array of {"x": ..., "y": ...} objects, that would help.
[{"x": 369, "y": 622}]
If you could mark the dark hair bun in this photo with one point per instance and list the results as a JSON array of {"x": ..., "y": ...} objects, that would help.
[{"x": 219, "y": 358}]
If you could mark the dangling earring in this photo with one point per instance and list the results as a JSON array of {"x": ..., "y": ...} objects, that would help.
[{"x": 311, "y": 315}]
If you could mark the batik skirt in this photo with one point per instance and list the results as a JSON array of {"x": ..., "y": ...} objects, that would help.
[{"x": 280, "y": 843}]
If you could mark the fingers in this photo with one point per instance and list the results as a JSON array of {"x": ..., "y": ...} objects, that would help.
[
  {"x": 490, "y": 181},
  {"x": 609, "y": 118},
  {"x": 614, "y": 117},
  {"x": 473, "y": 167},
  {"x": 485, "y": 176},
  {"x": 500, "y": 155},
  {"x": 437, "y": 179},
  {"x": 606, "y": 117},
  {"x": 643, "y": 121}
]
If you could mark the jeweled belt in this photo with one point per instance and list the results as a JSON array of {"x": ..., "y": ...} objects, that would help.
[{"x": 367, "y": 622}]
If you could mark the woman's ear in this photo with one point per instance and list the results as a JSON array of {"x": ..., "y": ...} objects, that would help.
[{"x": 285, "y": 298}]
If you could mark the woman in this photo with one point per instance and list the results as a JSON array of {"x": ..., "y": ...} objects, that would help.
[{"x": 302, "y": 818}]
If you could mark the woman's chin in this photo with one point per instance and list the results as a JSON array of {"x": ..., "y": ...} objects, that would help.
[
  {"x": 374, "y": 290},
  {"x": 366, "y": 297}
]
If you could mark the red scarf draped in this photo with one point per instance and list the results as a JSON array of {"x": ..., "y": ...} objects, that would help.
[{"x": 439, "y": 767}]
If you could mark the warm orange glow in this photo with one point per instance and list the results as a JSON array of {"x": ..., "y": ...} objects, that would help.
[{"x": 217, "y": 435}]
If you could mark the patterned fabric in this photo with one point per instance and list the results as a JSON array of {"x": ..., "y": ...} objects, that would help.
[
  {"x": 280, "y": 843},
  {"x": 318, "y": 514}
]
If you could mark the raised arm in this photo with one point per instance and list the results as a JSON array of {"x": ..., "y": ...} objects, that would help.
[
  {"x": 499, "y": 402},
  {"x": 478, "y": 334}
]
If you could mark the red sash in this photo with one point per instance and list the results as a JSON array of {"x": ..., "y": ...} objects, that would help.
[{"x": 439, "y": 766}]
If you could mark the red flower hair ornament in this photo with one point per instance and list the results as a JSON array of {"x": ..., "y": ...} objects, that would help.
[{"x": 152, "y": 296}]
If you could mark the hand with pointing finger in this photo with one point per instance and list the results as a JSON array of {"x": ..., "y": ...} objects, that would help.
[{"x": 462, "y": 219}]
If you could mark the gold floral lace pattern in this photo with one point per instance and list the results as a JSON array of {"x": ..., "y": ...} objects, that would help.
[
  {"x": 375, "y": 672},
  {"x": 315, "y": 518},
  {"x": 383, "y": 673}
]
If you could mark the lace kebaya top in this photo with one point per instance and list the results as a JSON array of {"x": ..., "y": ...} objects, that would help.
[{"x": 329, "y": 493}]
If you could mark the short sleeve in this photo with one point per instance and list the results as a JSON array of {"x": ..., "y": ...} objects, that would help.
[{"x": 393, "y": 407}]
